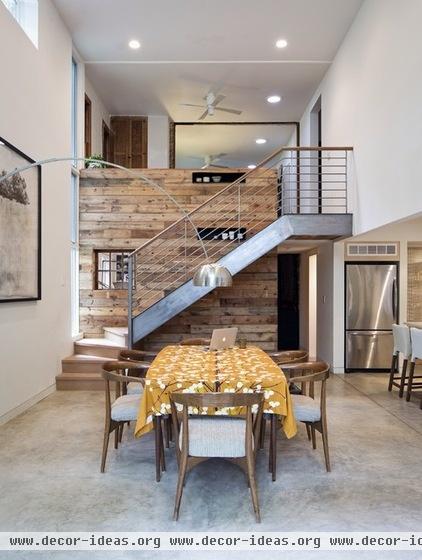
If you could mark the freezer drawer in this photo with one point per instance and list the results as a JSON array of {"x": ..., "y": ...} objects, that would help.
[{"x": 369, "y": 349}]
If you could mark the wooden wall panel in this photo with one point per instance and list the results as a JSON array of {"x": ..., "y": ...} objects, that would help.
[{"x": 118, "y": 211}]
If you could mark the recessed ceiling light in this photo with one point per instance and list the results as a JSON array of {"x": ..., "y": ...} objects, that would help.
[
  {"x": 251, "y": 166},
  {"x": 274, "y": 99},
  {"x": 260, "y": 140},
  {"x": 134, "y": 44},
  {"x": 281, "y": 43}
]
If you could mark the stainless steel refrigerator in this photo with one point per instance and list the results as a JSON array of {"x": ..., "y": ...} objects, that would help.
[{"x": 371, "y": 310}]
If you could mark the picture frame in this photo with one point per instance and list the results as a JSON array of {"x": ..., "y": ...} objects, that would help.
[{"x": 20, "y": 227}]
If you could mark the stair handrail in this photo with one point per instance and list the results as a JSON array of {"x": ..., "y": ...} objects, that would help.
[{"x": 187, "y": 215}]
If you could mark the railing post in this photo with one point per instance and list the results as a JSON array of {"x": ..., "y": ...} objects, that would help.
[
  {"x": 238, "y": 213},
  {"x": 186, "y": 248},
  {"x": 347, "y": 180},
  {"x": 129, "y": 300}
]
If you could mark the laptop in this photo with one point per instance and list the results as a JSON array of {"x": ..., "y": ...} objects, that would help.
[{"x": 223, "y": 338}]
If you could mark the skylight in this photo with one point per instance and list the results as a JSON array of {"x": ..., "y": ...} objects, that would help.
[{"x": 25, "y": 13}]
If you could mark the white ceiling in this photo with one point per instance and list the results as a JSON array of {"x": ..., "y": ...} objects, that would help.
[
  {"x": 190, "y": 47},
  {"x": 194, "y": 142}
]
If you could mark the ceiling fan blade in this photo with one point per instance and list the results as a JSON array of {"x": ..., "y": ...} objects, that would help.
[
  {"x": 218, "y": 99},
  {"x": 218, "y": 156},
  {"x": 204, "y": 115},
  {"x": 190, "y": 105},
  {"x": 233, "y": 111},
  {"x": 219, "y": 166}
]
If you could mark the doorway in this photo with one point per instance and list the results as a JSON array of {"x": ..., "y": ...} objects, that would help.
[
  {"x": 288, "y": 301},
  {"x": 312, "y": 306},
  {"x": 88, "y": 127}
]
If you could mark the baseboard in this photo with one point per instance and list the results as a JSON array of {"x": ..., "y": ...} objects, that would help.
[{"x": 27, "y": 404}]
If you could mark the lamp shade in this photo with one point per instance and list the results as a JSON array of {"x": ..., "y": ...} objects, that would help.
[{"x": 212, "y": 275}]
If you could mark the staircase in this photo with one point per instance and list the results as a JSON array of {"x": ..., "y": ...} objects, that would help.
[
  {"x": 294, "y": 193},
  {"x": 82, "y": 370}
]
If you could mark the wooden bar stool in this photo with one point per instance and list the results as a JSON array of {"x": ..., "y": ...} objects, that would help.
[{"x": 402, "y": 345}]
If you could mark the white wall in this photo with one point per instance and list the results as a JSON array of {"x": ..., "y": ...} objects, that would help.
[
  {"x": 158, "y": 142},
  {"x": 35, "y": 117},
  {"x": 99, "y": 113},
  {"x": 371, "y": 100}
]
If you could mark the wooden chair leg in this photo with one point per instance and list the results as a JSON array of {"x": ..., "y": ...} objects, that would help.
[
  {"x": 308, "y": 431},
  {"x": 403, "y": 379},
  {"x": 180, "y": 484},
  {"x": 252, "y": 485},
  {"x": 313, "y": 437},
  {"x": 157, "y": 429},
  {"x": 392, "y": 371},
  {"x": 116, "y": 436},
  {"x": 410, "y": 381},
  {"x": 325, "y": 445},
  {"x": 273, "y": 446},
  {"x": 121, "y": 431},
  {"x": 105, "y": 447},
  {"x": 262, "y": 433},
  {"x": 162, "y": 457}
]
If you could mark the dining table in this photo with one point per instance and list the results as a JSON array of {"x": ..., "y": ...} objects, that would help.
[{"x": 197, "y": 369}]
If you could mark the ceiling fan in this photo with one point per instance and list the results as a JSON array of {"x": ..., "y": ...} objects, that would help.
[
  {"x": 209, "y": 161},
  {"x": 212, "y": 101}
]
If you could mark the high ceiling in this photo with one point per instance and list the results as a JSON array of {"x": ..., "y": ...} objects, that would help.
[{"x": 191, "y": 47}]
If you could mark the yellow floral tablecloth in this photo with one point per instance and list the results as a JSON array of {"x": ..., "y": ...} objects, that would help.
[{"x": 194, "y": 369}]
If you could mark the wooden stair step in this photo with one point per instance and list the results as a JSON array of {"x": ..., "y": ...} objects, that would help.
[
  {"x": 74, "y": 381},
  {"x": 82, "y": 363},
  {"x": 101, "y": 347}
]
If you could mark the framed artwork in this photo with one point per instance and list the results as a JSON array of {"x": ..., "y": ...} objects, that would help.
[{"x": 20, "y": 227}]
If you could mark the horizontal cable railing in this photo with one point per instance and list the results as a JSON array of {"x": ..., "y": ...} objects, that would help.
[{"x": 290, "y": 181}]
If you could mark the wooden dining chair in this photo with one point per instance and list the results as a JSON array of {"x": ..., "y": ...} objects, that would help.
[
  {"x": 143, "y": 359},
  {"x": 402, "y": 345},
  {"x": 280, "y": 358},
  {"x": 230, "y": 437},
  {"x": 309, "y": 407},
  {"x": 195, "y": 342},
  {"x": 124, "y": 409}
]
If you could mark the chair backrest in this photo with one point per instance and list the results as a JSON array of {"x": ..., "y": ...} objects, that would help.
[
  {"x": 289, "y": 356},
  {"x": 307, "y": 374},
  {"x": 219, "y": 400},
  {"x": 416, "y": 338},
  {"x": 195, "y": 342},
  {"x": 116, "y": 372},
  {"x": 402, "y": 342},
  {"x": 137, "y": 355}
]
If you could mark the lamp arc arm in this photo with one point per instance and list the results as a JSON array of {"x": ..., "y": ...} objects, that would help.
[{"x": 138, "y": 175}]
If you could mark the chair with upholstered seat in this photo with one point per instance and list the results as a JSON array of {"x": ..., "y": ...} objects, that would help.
[
  {"x": 231, "y": 437},
  {"x": 195, "y": 342},
  {"x": 124, "y": 408},
  {"x": 307, "y": 408},
  {"x": 280, "y": 358}
]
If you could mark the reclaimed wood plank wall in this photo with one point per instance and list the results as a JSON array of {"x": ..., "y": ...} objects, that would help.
[{"x": 118, "y": 211}]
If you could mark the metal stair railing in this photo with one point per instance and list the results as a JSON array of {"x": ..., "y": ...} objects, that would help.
[{"x": 293, "y": 180}]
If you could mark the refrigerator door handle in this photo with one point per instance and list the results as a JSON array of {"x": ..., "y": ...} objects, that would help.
[{"x": 394, "y": 299}]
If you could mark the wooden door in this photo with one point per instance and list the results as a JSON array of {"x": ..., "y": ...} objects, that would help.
[{"x": 130, "y": 141}]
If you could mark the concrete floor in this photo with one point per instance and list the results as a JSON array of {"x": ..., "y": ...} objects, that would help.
[{"x": 49, "y": 473}]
